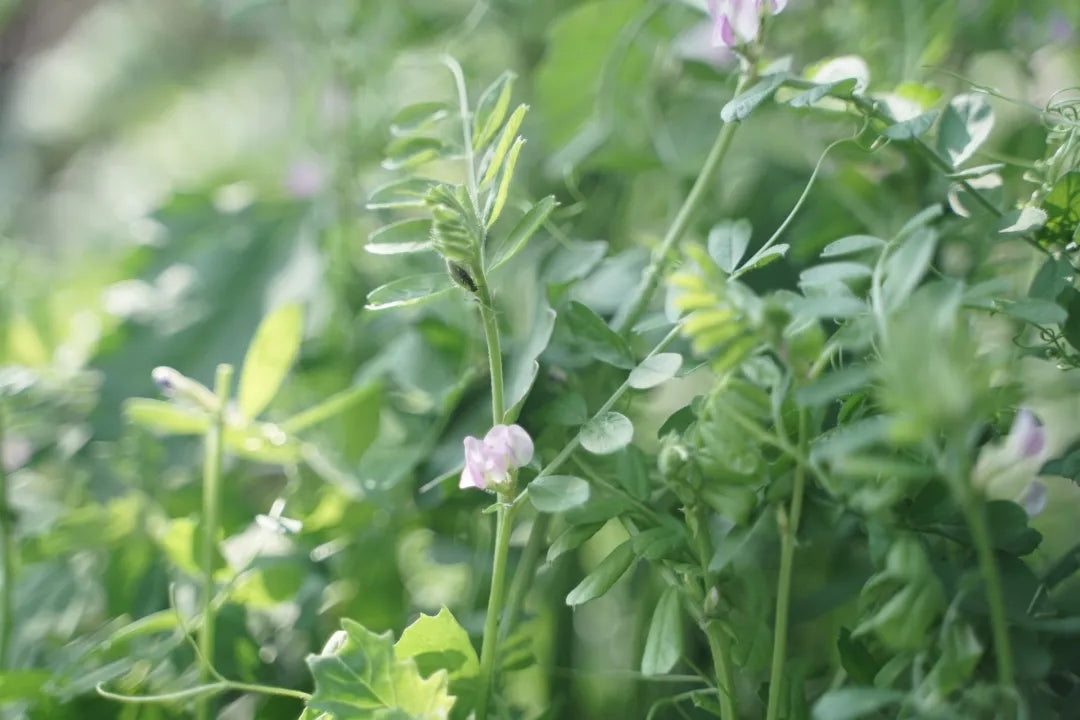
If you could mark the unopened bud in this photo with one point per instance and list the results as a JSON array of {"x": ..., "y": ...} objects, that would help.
[{"x": 174, "y": 384}]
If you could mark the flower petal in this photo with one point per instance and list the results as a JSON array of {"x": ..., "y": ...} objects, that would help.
[
  {"x": 1027, "y": 438},
  {"x": 745, "y": 19},
  {"x": 470, "y": 478},
  {"x": 521, "y": 445},
  {"x": 1033, "y": 499}
]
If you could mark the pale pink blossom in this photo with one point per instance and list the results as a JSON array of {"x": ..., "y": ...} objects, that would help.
[
  {"x": 488, "y": 462},
  {"x": 1027, "y": 437},
  {"x": 737, "y": 22}
]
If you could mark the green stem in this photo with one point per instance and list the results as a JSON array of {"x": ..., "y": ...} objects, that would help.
[
  {"x": 975, "y": 514},
  {"x": 494, "y": 350},
  {"x": 7, "y": 562},
  {"x": 204, "y": 692},
  {"x": 490, "y": 647},
  {"x": 789, "y": 528},
  {"x": 211, "y": 519},
  {"x": 725, "y": 679},
  {"x": 651, "y": 279}
]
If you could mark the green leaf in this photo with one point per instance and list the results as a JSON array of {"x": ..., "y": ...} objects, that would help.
[
  {"x": 23, "y": 685},
  {"x": 165, "y": 417},
  {"x": 654, "y": 370},
  {"x": 526, "y": 227},
  {"x": 405, "y": 236},
  {"x": 740, "y": 107},
  {"x": 845, "y": 439},
  {"x": 1022, "y": 221},
  {"x": 557, "y": 493},
  {"x": 409, "y": 291},
  {"x": 1053, "y": 277},
  {"x": 1036, "y": 311},
  {"x": 738, "y": 540},
  {"x": 498, "y": 200},
  {"x": 834, "y": 385},
  {"x": 606, "y": 574},
  {"x": 368, "y": 393},
  {"x": 855, "y": 658},
  {"x": 1062, "y": 207},
  {"x": 965, "y": 125},
  {"x": 523, "y": 366},
  {"x": 363, "y": 679},
  {"x": 506, "y": 140},
  {"x": 438, "y": 642},
  {"x": 659, "y": 542},
  {"x": 852, "y": 244},
  {"x": 407, "y": 193},
  {"x": 834, "y": 306},
  {"x": 854, "y": 702},
  {"x": 763, "y": 257},
  {"x": 728, "y": 242},
  {"x": 593, "y": 336},
  {"x": 911, "y": 129},
  {"x": 906, "y": 267},
  {"x": 664, "y": 643},
  {"x": 413, "y": 151},
  {"x": 419, "y": 116},
  {"x": 827, "y": 273},
  {"x": 491, "y": 109},
  {"x": 840, "y": 88},
  {"x": 572, "y": 538},
  {"x": 607, "y": 433},
  {"x": 263, "y": 442},
  {"x": 269, "y": 358}
]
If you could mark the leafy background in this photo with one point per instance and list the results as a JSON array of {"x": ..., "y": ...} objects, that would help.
[{"x": 170, "y": 172}]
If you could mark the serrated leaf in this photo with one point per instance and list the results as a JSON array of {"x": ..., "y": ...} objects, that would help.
[
  {"x": 728, "y": 242},
  {"x": 165, "y": 417},
  {"x": 852, "y": 244},
  {"x": 409, "y": 291},
  {"x": 499, "y": 198},
  {"x": 664, "y": 643},
  {"x": 526, "y": 227},
  {"x": 362, "y": 679},
  {"x": 438, "y": 642},
  {"x": 763, "y": 258},
  {"x": 419, "y": 116},
  {"x": 499, "y": 152},
  {"x": 269, "y": 358},
  {"x": 965, "y": 125},
  {"x": 406, "y": 236},
  {"x": 413, "y": 151},
  {"x": 853, "y": 703},
  {"x": 491, "y": 109},
  {"x": 654, "y": 370},
  {"x": 740, "y": 107},
  {"x": 911, "y": 129},
  {"x": 557, "y": 493},
  {"x": 606, "y": 574},
  {"x": 607, "y": 433},
  {"x": 408, "y": 193},
  {"x": 1023, "y": 220}
]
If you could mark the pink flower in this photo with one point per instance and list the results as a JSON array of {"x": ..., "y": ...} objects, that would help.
[
  {"x": 488, "y": 462},
  {"x": 1027, "y": 438},
  {"x": 736, "y": 22}
]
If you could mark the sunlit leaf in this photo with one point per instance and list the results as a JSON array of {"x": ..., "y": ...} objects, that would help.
[
  {"x": 420, "y": 116},
  {"x": 165, "y": 417},
  {"x": 407, "y": 193},
  {"x": 413, "y": 151},
  {"x": 852, "y": 244},
  {"x": 965, "y": 125},
  {"x": 411, "y": 290},
  {"x": 269, "y": 358},
  {"x": 491, "y": 109},
  {"x": 654, "y": 370},
  {"x": 526, "y": 227},
  {"x": 911, "y": 129},
  {"x": 405, "y": 236},
  {"x": 438, "y": 642}
]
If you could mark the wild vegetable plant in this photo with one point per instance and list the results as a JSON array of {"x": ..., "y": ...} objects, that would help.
[{"x": 821, "y": 464}]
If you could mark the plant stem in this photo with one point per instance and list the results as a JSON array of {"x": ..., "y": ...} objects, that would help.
[
  {"x": 494, "y": 349},
  {"x": 725, "y": 679},
  {"x": 975, "y": 514},
  {"x": 7, "y": 561},
  {"x": 212, "y": 454},
  {"x": 651, "y": 279},
  {"x": 490, "y": 647},
  {"x": 789, "y": 527}
]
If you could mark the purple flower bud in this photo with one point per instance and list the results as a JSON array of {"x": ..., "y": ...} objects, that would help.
[
  {"x": 1033, "y": 499},
  {"x": 1027, "y": 438},
  {"x": 488, "y": 462},
  {"x": 736, "y": 22},
  {"x": 166, "y": 379}
]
